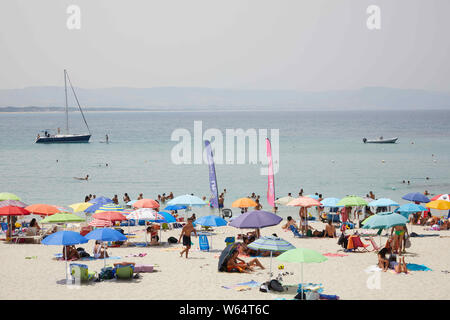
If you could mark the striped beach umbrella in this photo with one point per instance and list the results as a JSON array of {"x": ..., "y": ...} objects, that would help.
[
  {"x": 81, "y": 206},
  {"x": 97, "y": 223},
  {"x": 443, "y": 196},
  {"x": 13, "y": 203},
  {"x": 145, "y": 214},
  {"x": 272, "y": 244},
  {"x": 109, "y": 207}
]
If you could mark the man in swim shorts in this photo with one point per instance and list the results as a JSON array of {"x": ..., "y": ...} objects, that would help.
[{"x": 186, "y": 234}]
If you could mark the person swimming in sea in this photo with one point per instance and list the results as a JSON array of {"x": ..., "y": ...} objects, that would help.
[{"x": 85, "y": 178}]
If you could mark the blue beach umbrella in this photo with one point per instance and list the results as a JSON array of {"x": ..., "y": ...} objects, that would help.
[
  {"x": 316, "y": 197},
  {"x": 384, "y": 220},
  {"x": 406, "y": 209},
  {"x": 416, "y": 197},
  {"x": 211, "y": 221},
  {"x": 330, "y": 202},
  {"x": 64, "y": 238},
  {"x": 175, "y": 207},
  {"x": 130, "y": 203},
  {"x": 105, "y": 234},
  {"x": 188, "y": 201},
  {"x": 168, "y": 218},
  {"x": 272, "y": 244},
  {"x": 383, "y": 202}
]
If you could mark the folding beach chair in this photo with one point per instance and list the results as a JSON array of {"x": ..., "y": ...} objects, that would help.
[
  {"x": 124, "y": 272},
  {"x": 372, "y": 242},
  {"x": 203, "y": 242},
  {"x": 80, "y": 272},
  {"x": 354, "y": 243},
  {"x": 295, "y": 232}
]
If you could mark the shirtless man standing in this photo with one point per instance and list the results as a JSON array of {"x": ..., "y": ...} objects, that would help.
[{"x": 186, "y": 234}]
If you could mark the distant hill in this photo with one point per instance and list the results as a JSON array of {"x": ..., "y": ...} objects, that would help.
[{"x": 179, "y": 97}]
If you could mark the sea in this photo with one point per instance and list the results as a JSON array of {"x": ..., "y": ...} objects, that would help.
[{"x": 318, "y": 151}]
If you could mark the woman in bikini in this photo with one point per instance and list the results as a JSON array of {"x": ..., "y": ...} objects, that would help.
[
  {"x": 237, "y": 264},
  {"x": 99, "y": 252},
  {"x": 399, "y": 238}
]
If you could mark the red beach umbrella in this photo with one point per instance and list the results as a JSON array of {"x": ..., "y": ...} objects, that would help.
[
  {"x": 12, "y": 211},
  {"x": 146, "y": 203},
  {"x": 43, "y": 209},
  {"x": 110, "y": 216}
]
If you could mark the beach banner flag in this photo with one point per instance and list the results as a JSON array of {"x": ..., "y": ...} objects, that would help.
[
  {"x": 271, "y": 180},
  {"x": 214, "y": 201}
]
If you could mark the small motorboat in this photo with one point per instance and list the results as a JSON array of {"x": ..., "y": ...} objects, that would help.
[{"x": 381, "y": 140}]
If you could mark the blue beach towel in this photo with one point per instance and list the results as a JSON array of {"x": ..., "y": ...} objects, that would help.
[
  {"x": 417, "y": 267},
  {"x": 328, "y": 297},
  {"x": 251, "y": 284}
]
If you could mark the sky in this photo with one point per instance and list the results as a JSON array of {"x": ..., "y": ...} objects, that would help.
[{"x": 305, "y": 45}]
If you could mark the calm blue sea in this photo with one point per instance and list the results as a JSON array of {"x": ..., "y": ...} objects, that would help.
[{"x": 320, "y": 151}]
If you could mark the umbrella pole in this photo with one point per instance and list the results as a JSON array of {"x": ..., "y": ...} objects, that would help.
[
  {"x": 104, "y": 255},
  {"x": 65, "y": 256},
  {"x": 302, "y": 282},
  {"x": 270, "y": 274}
]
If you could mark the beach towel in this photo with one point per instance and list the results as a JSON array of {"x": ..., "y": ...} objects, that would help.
[
  {"x": 417, "y": 267},
  {"x": 317, "y": 287},
  {"x": 92, "y": 258},
  {"x": 330, "y": 254},
  {"x": 328, "y": 297},
  {"x": 243, "y": 285},
  {"x": 136, "y": 255},
  {"x": 413, "y": 234}
]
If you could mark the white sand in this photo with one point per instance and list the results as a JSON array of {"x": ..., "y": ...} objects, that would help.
[{"x": 198, "y": 278}]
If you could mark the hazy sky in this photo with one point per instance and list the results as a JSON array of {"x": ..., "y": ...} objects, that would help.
[{"x": 244, "y": 44}]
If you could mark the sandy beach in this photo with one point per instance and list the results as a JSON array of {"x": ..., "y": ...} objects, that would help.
[{"x": 198, "y": 278}]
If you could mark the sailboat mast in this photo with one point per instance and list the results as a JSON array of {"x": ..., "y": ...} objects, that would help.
[{"x": 67, "y": 106}]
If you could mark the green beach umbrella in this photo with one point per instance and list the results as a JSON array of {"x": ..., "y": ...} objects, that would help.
[
  {"x": 352, "y": 201},
  {"x": 8, "y": 196},
  {"x": 62, "y": 217},
  {"x": 302, "y": 255}
]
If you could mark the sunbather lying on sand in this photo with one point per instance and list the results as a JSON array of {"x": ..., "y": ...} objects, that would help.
[
  {"x": 383, "y": 262},
  {"x": 239, "y": 265}
]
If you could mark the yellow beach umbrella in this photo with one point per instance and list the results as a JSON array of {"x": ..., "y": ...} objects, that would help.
[
  {"x": 439, "y": 205},
  {"x": 244, "y": 203},
  {"x": 81, "y": 206}
]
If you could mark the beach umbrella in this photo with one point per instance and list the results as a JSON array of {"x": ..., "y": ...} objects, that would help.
[
  {"x": 272, "y": 244},
  {"x": 284, "y": 200},
  {"x": 101, "y": 200},
  {"x": 384, "y": 220},
  {"x": 13, "y": 203},
  {"x": 255, "y": 220},
  {"x": 42, "y": 209},
  {"x": 315, "y": 197},
  {"x": 105, "y": 234},
  {"x": 187, "y": 200},
  {"x": 383, "y": 202},
  {"x": 8, "y": 196},
  {"x": 168, "y": 218},
  {"x": 64, "y": 238},
  {"x": 225, "y": 255},
  {"x": 145, "y": 214},
  {"x": 352, "y": 201},
  {"x": 97, "y": 223},
  {"x": 62, "y": 217},
  {"x": 439, "y": 205},
  {"x": 304, "y": 202},
  {"x": 109, "y": 207},
  {"x": 146, "y": 203},
  {"x": 416, "y": 197},
  {"x": 406, "y": 209},
  {"x": 330, "y": 202},
  {"x": 175, "y": 207},
  {"x": 443, "y": 196},
  {"x": 301, "y": 255},
  {"x": 12, "y": 211},
  {"x": 81, "y": 206},
  {"x": 244, "y": 203},
  {"x": 210, "y": 221},
  {"x": 112, "y": 216}
]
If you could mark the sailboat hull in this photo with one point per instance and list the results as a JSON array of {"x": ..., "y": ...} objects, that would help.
[{"x": 66, "y": 138}]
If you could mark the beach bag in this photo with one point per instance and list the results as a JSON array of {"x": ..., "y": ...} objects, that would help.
[
  {"x": 275, "y": 285},
  {"x": 264, "y": 287},
  {"x": 106, "y": 273},
  {"x": 172, "y": 240},
  {"x": 408, "y": 243}
]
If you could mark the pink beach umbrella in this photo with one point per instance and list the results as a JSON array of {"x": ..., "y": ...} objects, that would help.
[
  {"x": 146, "y": 203},
  {"x": 305, "y": 202}
]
